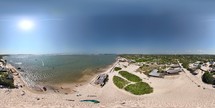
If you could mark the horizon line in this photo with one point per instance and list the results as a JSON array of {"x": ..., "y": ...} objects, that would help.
[{"x": 108, "y": 54}]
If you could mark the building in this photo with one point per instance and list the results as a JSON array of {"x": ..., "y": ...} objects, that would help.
[
  {"x": 174, "y": 70},
  {"x": 122, "y": 59},
  {"x": 194, "y": 66},
  {"x": 175, "y": 66},
  {"x": 154, "y": 73},
  {"x": 212, "y": 70},
  {"x": 10, "y": 76},
  {"x": 204, "y": 68},
  {"x": 3, "y": 69},
  {"x": 101, "y": 79},
  {"x": 212, "y": 63},
  {"x": 196, "y": 72},
  {"x": 3, "y": 62}
]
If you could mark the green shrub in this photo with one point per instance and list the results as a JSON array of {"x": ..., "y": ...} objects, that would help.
[
  {"x": 140, "y": 60},
  {"x": 208, "y": 78},
  {"x": 117, "y": 68},
  {"x": 119, "y": 82},
  {"x": 130, "y": 77},
  {"x": 139, "y": 88},
  {"x": 6, "y": 82},
  {"x": 185, "y": 65}
]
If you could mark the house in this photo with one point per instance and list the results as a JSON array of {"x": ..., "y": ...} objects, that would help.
[
  {"x": 4, "y": 62},
  {"x": 212, "y": 70},
  {"x": 193, "y": 66},
  {"x": 154, "y": 73},
  {"x": 1, "y": 86},
  {"x": 1, "y": 62},
  {"x": 3, "y": 69},
  {"x": 212, "y": 63},
  {"x": 196, "y": 72},
  {"x": 131, "y": 61},
  {"x": 101, "y": 79},
  {"x": 175, "y": 66},
  {"x": 10, "y": 76},
  {"x": 204, "y": 68},
  {"x": 174, "y": 70},
  {"x": 122, "y": 60}
]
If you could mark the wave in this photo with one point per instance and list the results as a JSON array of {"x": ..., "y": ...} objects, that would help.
[
  {"x": 18, "y": 63},
  {"x": 42, "y": 63}
]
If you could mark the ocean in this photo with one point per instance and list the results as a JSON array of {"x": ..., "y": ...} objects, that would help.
[{"x": 58, "y": 69}]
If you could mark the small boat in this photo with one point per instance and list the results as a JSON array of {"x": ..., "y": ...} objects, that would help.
[{"x": 93, "y": 101}]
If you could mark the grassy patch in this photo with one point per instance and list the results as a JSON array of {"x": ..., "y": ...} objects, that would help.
[
  {"x": 139, "y": 88},
  {"x": 119, "y": 82},
  {"x": 146, "y": 69},
  {"x": 130, "y": 77},
  {"x": 117, "y": 68}
]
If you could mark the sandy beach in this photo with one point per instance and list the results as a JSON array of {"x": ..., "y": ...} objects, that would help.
[{"x": 177, "y": 91}]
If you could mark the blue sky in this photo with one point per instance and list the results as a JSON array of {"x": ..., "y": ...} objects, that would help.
[{"x": 113, "y": 26}]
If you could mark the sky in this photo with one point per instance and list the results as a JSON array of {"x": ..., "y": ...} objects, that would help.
[{"x": 107, "y": 26}]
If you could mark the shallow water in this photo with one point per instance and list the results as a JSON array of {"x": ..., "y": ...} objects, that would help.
[{"x": 57, "y": 69}]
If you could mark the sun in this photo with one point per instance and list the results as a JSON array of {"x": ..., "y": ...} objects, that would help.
[{"x": 26, "y": 24}]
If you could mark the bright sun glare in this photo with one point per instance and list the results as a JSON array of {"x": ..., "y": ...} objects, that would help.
[{"x": 26, "y": 24}]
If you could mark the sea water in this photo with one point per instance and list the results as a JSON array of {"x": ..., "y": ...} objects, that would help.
[{"x": 57, "y": 69}]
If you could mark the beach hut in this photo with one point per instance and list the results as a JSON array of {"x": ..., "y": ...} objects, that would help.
[
  {"x": 101, "y": 79},
  {"x": 174, "y": 71},
  {"x": 154, "y": 73}
]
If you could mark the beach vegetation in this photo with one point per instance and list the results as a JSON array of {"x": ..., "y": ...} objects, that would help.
[
  {"x": 119, "y": 82},
  {"x": 185, "y": 64},
  {"x": 139, "y": 88},
  {"x": 169, "y": 59},
  {"x": 5, "y": 81},
  {"x": 130, "y": 76},
  {"x": 117, "y": 68},
  {"x": 208, "y": 78},
  {"x": 146, "y": 69}
]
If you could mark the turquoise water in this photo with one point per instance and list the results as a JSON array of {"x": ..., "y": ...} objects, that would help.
[{"x": 57, "y": 69}]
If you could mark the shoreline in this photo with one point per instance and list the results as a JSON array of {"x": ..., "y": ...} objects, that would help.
[
  {"x": 85, "y": 79},
  {"x": 90, "y": 78},
  {"x": 176, "y": 91},
  {"x": 19, "y": 80}
]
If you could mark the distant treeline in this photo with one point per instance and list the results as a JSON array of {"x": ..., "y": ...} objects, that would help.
[
  {"x": 1, "y": 56},
  {"x": 168, "y": 59}
]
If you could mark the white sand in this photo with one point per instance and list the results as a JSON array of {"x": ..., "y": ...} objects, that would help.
[{"x": 178, "y": 91}]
